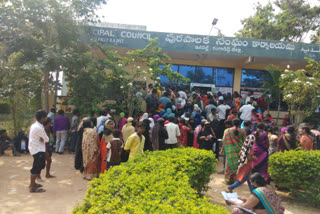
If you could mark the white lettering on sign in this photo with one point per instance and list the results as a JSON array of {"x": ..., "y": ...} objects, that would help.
[
  {"x": 172, "y": 38},
  {"x": 102, "y": 32},
  {"x": 234, "y": 42},
  {"x": 271, "y": 45},
  {"x": 202, "y": 47},
  {"x": 110, "y": 40},
  {"x": 135, "y": 35},
  {"x": 227, "y": 49}
]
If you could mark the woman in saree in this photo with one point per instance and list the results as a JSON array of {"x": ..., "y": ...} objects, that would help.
[
  {"x": 260, "y": 147},
  {"x": 90, "y": 151},
  {"x": 236, "y": 100},
  {"x": 288, "y": 141},
  {"x": 232, "y": 143},
  {"x": 106, "y": 137},
  {"x": 159, "y": 134},
  {"x": 78, "y": 161},
  {"x": 305, "y": 139},
  {"x": 263, "y": 199},
  {"x": 196, "y": 132},
  {"x": 245, "y": 164}
]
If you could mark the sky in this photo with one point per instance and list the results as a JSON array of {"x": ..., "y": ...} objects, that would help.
[{"x": 182, "y": 16}]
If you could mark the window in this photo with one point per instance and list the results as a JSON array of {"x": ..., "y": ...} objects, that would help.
[
  {"x": 254, "y": 78},
  {"x": 223, "y": 77},
  {"x": 164, "y": 78},
  {"x": 187, "y": 71},
  {"x": 204, "y": 75}
]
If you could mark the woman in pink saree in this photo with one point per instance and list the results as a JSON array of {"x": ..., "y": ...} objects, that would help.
[{"x": 260, "y": 147}]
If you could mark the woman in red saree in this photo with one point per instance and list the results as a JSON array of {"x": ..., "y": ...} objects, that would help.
[
  {"x": 106, "y": 137},
  {"x": 90, "y": 151}
]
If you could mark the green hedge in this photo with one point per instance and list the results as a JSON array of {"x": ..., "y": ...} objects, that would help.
[
  {"x": 298, "y": 171},
  {"x": 155, "y": 182}
]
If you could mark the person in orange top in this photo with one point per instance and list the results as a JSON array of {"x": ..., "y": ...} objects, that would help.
[
  {"x": 305, "y": 139},
  {"x": 106, "y": 138}
]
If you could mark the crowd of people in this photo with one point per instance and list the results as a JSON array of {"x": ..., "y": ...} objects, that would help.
[{"x": 233, "y": 127}]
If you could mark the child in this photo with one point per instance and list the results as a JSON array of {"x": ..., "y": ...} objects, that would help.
[{"x": 114, "y": 150}]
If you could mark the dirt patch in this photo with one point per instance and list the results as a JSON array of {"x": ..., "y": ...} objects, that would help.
[
  {"x": 68, "y": 188},
  {"x": 216, "y": 186}
]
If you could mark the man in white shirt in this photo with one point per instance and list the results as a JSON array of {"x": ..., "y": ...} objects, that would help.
[
  {"x": 37, "y": 148},
  {"x": 222, "y": 110},
  {"x": 173, "y": 134},
  {"x": 183, "y": 94},
  {"x": 246, "y": 112}
]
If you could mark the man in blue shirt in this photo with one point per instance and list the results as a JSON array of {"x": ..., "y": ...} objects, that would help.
[{"x": 165, "y": 99}]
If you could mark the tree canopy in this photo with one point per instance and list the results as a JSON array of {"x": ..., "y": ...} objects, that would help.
[{"x": 285, "y": 20}]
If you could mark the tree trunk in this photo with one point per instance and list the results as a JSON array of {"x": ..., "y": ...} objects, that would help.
[
  {"x": 46, "y": 91},
  {"x": 14, "y": 116},
  {"x": 278, "y": 113},
  {"x": 56, "y": 89}
]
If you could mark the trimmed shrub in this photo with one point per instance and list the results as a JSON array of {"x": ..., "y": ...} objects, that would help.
[
  {"x": 298, "y": 171},
  {"x": 155, "y": 182}
]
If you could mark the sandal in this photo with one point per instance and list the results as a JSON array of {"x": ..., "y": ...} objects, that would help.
[
  {"x": 39, "y": 185},
  {"x": 36, "y": 190}
]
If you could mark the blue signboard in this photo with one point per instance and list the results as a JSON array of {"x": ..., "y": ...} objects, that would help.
[{"x": 204, "y": 44}]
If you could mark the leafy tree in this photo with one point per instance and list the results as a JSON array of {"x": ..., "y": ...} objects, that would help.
[
  {"x": 18, "y": 87},
  {"x": 54, "y": 24},
  {"x": 301, "y": 88},
  {"x": 293, "y": 21},
  {"x": 272, "y": 87}
]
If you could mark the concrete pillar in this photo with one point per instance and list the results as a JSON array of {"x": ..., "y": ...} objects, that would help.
[{"x": 237, "y": 79}]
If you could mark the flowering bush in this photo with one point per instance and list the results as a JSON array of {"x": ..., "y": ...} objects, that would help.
[
  {"x": 298, "y": 171},
  {"x": 155, "y": 182}
]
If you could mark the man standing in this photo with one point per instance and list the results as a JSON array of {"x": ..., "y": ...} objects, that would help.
[
  {"x": 246, "y": 112},
  {"x": 173, "y": 134},
  {"x": 165, "y": 99},
  {"x": 52, "y": 113},
  {"x": 152, "y": 101},
  {"x": 222, "y": 110},
  {"x": 74, "y": 129},
  {"x": 37, "y": 148},
  {"x": 135, "y": 142},
  {"x": 61, "y": 125}
]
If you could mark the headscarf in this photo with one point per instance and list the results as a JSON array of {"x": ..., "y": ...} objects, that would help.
[
  {"x": 122, "y": 115},
  {"x": 122, "y": 122},
  {"x": 245, "y": 151},
  {"x": 155, "y": 133},
  {"x": 144, "y": 116},
  {"x": 151, "y": 122},
  {"x": 107, "y": 131},
  {"x": 81, "y": 123},
  {"x": 156, "y": 117},
  {"x": 101, "y": 125},
  {"x": 169, "y": 113}
]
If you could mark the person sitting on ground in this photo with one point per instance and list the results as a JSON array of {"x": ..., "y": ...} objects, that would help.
[
  {"x": 21, "y": 142},
  {"x": 6, "y": 142},
  {"x": 263, "y": 199},
  {"x": 114, "y": 150}
]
